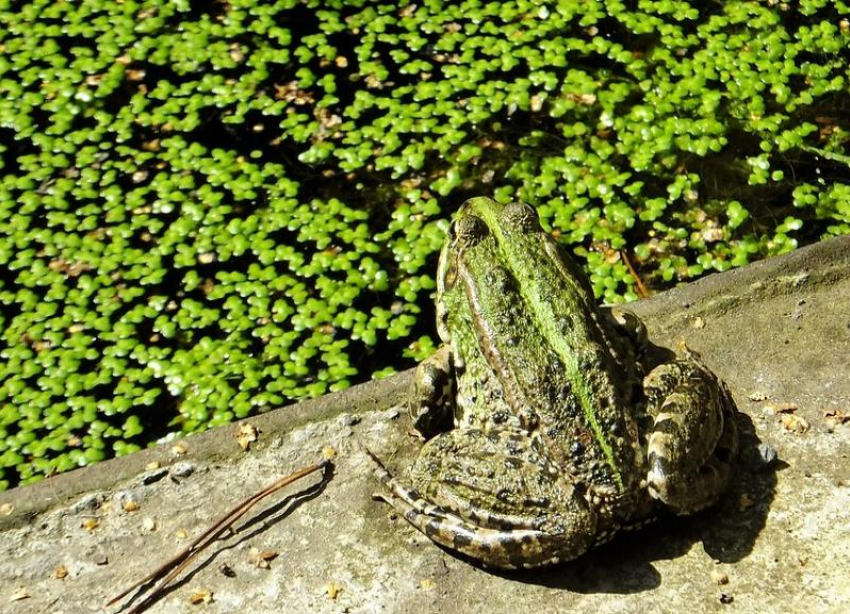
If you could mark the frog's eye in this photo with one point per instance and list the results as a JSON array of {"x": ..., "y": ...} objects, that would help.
[
  {"x": 521, "y": 217},
  {"x": 468, "y": 230}
]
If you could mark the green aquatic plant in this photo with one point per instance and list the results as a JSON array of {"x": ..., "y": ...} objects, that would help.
[{"x": 210, "y": 210}]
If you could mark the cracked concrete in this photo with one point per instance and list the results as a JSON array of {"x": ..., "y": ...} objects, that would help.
[{"x": 778, "y": 332}]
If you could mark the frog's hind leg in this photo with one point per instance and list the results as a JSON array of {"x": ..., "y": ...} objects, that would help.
[
  {"x": 695, "y": 434},
  {"x": 494, "y": 497}
]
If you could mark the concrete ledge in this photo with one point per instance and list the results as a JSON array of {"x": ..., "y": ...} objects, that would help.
[{"x": 778, "y": 332}]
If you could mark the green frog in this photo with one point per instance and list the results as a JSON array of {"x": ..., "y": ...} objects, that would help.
[{"x": 544, "y": 437}]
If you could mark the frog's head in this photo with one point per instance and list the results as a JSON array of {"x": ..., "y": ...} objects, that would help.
[
  {"x": 504, "y": 221},
  {"x": 484, "y": 235}
]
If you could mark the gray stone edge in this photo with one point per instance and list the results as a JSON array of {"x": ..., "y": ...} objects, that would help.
[{"x": 809, "y": 266}]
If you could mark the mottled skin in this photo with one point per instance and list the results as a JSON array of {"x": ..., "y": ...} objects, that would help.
[{"x": 557, "y": 443}]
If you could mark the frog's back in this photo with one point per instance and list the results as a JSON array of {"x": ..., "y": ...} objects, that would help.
[{"x": 552, "y": 365}]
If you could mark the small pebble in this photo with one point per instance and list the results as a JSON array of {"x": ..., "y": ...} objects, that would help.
[
  {"x": 767, "y": 453},
  {"x": 182, "y": 469},
  {"x": 349, "y": 420},
  {"x": 87, "y": 504}
]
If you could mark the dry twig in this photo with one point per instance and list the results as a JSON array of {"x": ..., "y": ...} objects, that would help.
[
  {"x": 178, "y": 563},
  {"x": 642, "y": 291}
]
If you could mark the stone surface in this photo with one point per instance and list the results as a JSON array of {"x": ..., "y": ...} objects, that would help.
[{"x": 778, "y": 332}]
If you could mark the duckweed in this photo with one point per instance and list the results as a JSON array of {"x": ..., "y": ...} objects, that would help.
[{"x": 208, "y": 210}]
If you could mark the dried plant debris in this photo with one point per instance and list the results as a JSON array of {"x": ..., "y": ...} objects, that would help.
[
  {"x": 794, "y": 424},
  {"x": 834, "y": 417},
  {"x": 246, "y": 434},
  {"x": 130, "y": 505},
  {"x": 90, "y": 523},
  {"x": 180, "y": 448},
  {"x": 200, "y": 596},
  {"x": 20, "y": 594},
  {"x": 261, "y": 558},
  {"x": 334, "y": 590}
]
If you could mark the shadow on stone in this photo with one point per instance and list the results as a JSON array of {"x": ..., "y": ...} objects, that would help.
[{"x": 732, "y": 534}]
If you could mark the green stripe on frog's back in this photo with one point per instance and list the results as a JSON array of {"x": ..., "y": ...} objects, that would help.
[{"x": 566, "y": 318}]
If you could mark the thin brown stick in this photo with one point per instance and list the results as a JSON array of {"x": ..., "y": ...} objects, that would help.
[
  {"x": 642, "y": 291},
  {"x": 179, "y": 561}
]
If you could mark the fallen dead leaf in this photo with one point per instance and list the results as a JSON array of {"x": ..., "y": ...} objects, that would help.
[
  {"x": 19, "y": 594},
  {"x": 246, "y": 435},
  {"x": 427, "y": 584},
  {"x": 334, "y": 590},
  {"x": 151, "y": 466},
  {"x": 61, "y": 572},
  {"x": 200, "y": 596},
  {"x": 90, "y": 524},
  {"x": 583, "y": 99},
  {"x": 794, "y": 424},
  {"x": 536, "y": 103},
  {"x": 130, "y": 505},
  {"x": 329, "y": 452},
  {"x": 181, "y": 534},
  {"x": 261, "y": 558},
  {"x": 179, "y": 448}
]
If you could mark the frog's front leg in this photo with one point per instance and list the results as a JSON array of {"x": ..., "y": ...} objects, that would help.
[
  {"x": 432, "y": 397},
  {"x": 694, "y": 438},
  {"x": 495, "y": 496}
]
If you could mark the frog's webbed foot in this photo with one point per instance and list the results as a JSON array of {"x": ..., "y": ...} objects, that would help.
[
  {"x": 694, "y": 439},
  {"x": 432, "y": 394},
  {"x": 495, "y": 497}
]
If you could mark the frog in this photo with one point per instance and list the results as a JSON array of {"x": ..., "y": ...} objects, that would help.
[{"x": 545, "y": 430}]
